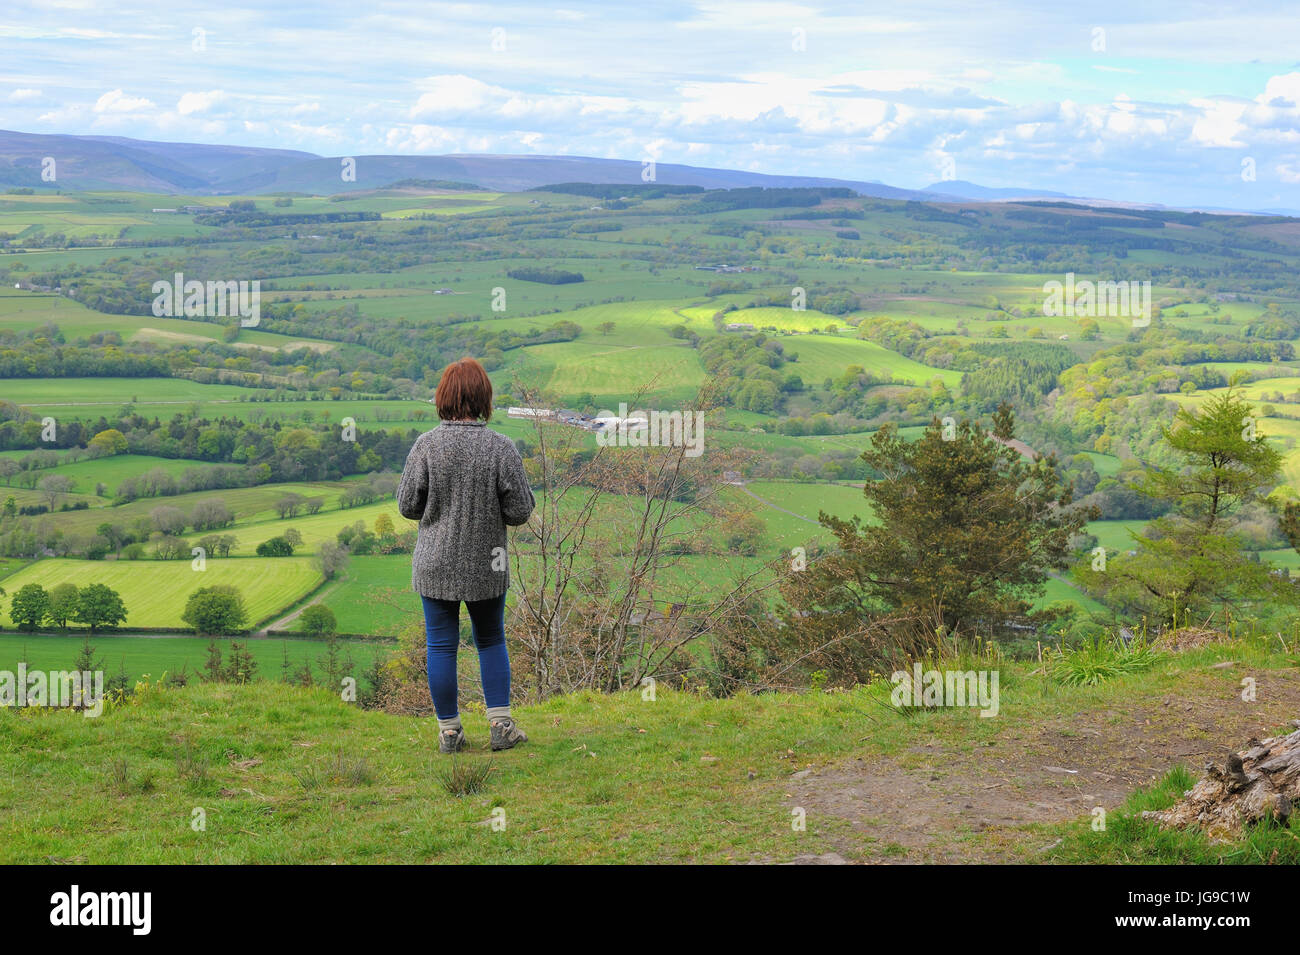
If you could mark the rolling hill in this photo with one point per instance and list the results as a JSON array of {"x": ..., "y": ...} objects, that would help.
[{"x": 111, "y": 162}]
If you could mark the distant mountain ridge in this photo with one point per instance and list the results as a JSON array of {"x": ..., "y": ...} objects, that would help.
[
  {"x": 86, "y": 163},
  {"x": 115, "y": 162},
  {"x": 970, "y": 190}
]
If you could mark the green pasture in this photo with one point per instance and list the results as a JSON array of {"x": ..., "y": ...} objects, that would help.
[
  {"x": 827, "y": 356},
  {"x": 87, "y": 472},
  {"x": 113, "y": 392},
  {"x": 249, "y": 504},
  {"x": 154, "y": 591},
  {"x": 163, "y": 653},
  {"x": 314, "y": 528}
]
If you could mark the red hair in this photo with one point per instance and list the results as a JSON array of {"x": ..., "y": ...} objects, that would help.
[{"x": 464, "y": 392}]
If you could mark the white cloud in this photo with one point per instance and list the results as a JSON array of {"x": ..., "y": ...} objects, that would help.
[
  {"x": 1219, "y": 123},
  {"x": 33, "y": 32},
  {"x": 24, "y": 95},
  {"x": 420, "y": 138},
  {"x": 199, "y": 102},
  {"x": 1283, "y": 90},
  {"x": 323, "y": 133},
  {"x": 1289, "y": 172},
  {"x": 456, "y": 94},
  {"x": 115, "y": 101}
]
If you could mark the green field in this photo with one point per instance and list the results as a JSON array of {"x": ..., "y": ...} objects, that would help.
[
  {"x": 804, "y": 502},
  {"x": 22, "y": 310},
  {"x": 154, "y": 656},
  {"x": 823, "y": 356},
  {"x": 86, "y": 474},
  {"x": 375, "y": 596},
  {"x": 114, "y": 392},
  {"x": 1115, "y": 535},
  {"x": 605, "y": 371},
  {"x": 154, "y": 592},
  {"x": 249, "y": 504},
  {"x": 1056, "y": 590},
  {"x": 313, "y": 528}
]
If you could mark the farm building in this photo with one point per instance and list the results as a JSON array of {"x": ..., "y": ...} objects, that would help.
[
  {"x": 724, "y": 267},
  {"x": 613, "y": 422}
]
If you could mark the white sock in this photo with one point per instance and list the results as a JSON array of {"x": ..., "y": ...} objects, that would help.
[
  {"x": 495, "y": 713},
  {"x": 451, "y": 724}
]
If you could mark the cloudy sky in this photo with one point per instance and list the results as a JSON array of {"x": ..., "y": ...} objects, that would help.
[{"x": 1184, "y": 103}]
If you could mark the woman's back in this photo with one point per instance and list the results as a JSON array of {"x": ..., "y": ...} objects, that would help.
[{"x": 464, "y": 483}]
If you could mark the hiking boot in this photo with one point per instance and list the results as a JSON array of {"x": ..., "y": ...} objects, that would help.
[
  {"x": 505, "y": 734},
  {"x": 451, "y": 741}
]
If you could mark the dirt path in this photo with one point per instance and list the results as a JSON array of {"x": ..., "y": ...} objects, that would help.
[
  {"x": 677, "y": 310},
  {"x": 937, "y": 803},
  {"x": 284, "y": 621},
  {"x": 776, "y": 507}
]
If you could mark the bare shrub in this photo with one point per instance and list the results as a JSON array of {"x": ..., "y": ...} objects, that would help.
[{"x": 598, "y": 604}]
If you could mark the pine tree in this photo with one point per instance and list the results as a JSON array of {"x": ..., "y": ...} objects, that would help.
[
  {"x": 1191, "y": 562},
  {"x": 86, "y": 662},
  {"x": 963, "y": 532},
  {"x": 242, "y": 666},
  {"x": 213, "y": 670}
]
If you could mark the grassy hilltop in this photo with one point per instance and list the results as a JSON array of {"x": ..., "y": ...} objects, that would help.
[{"x": 286, "y": 775}]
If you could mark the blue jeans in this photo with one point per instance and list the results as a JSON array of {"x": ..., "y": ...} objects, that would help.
[{"x": 442, "y": 628}]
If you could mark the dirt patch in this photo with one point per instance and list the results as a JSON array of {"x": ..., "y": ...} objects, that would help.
[
  {"x": 936, "y": 802},
  {"x": 158, "y": 334},
  {"x": 1186, "y": 638}
]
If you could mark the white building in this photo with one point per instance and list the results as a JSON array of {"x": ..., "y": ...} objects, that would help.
[{"x": 612, "y": 422}]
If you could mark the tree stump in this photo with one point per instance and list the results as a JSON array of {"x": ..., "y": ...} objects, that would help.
[{"x": 1261, "y": 782}]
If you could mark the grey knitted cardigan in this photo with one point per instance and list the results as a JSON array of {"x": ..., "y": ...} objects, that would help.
[{"x": 464, "y": 483}]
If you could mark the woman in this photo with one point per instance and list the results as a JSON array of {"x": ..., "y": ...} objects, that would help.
[{"x": 464, "y": 483}]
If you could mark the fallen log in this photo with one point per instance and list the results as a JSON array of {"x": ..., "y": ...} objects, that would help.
[{"x": 1261, "y": 782}]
